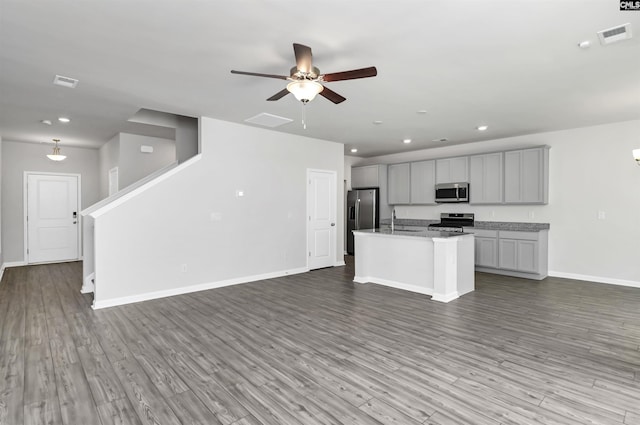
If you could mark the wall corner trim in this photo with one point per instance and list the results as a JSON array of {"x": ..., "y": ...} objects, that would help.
[{"x": 192, "y": 288}]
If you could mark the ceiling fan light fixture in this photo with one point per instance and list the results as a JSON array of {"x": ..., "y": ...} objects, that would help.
[
  {"x": 305, "y": 91},
  {"x": 56, "y": 155}
]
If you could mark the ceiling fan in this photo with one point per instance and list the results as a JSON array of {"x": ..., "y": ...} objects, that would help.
[{"x": 305, "y": 79}]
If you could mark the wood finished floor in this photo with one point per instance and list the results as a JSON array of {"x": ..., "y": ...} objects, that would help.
[{"x": 316, "y": 348}]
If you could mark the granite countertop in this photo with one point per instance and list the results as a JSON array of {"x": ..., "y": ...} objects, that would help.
[
  {"x": 484, "y": 225},
  {"x": 411, "y": 233}
]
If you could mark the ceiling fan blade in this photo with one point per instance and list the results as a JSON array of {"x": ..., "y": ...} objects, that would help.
[
  {"x": 282, "y": 93},
  {"x": 351, "y": 75},
  {"x": 257, "y": 74},
  {"x": 303, "y": 57},
  {"x": 332, "y": 96}
]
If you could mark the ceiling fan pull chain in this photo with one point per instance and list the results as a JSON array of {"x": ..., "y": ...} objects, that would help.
[{"x": 304, "y": 115}]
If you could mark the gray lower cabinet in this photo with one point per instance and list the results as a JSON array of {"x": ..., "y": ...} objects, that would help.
[
  {"x": 486, "y": 252},
  {"x": 513, "y": 253},
  {"x": 399, "y": 178}
]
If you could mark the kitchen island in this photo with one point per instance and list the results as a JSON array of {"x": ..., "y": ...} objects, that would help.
[{"x": 440, "y": 264}]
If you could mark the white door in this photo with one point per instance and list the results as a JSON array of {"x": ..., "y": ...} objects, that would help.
[
  {"x": 52, "y": 218},
  {"x": 321, "y": 207}
]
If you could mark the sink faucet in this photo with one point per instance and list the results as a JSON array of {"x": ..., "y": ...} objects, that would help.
[{"x": 393, "y": 219}]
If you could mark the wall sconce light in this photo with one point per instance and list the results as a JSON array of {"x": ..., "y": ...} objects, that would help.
[{"x": 636, "y": 155}]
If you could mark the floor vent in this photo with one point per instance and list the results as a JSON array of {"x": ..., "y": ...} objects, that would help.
[{"x": 615, "y": 34}]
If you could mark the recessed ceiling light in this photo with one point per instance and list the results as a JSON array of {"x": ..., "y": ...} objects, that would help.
[
  {"x": 377, "y": 122},
  {"x": 421, "y": 111},
  {"x": 64, "y": 119},
  {"x": 406, "y": 141},
  {"x": 482, "y": 127},
  {"x": 354, "y": 150},
  {"x": 46, "y": 122}
]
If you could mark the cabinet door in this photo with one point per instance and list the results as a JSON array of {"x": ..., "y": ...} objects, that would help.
[
  {"x": 528, "y": 256},
  {"x": 526, "y": 176},
  {"x": 452, "y": 170},
  {"x": 508, "y": 254},
  {"x": 486, "y": 252},
  {"x": 423, "y": 179},
  {"x": 485, "y": 178},
  {"x": 512, "y": 176},
  {"x": 399, "y": 183},
  {"x": 364, "y": 176},
  {"x": 532, "y": 175}
]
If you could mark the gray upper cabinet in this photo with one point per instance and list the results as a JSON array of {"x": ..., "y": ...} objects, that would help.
[
  {"x": 526, "y": 176},
  {"x": 486, "y": 178},
  {"x": 452, "y": 170},
  {"x": 423, "y": 180},
  {"x": 367, "y": 176},
  {"x": 399, "y": 184}
]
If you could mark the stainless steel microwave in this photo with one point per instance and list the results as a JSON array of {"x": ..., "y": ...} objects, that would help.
[{"x": 452, "y": 192}]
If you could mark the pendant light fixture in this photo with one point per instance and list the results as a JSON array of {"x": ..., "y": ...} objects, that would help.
[{"x": 56, "y": 156}]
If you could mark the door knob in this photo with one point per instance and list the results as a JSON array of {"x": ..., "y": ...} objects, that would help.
[{"x": 333, "y": 224}]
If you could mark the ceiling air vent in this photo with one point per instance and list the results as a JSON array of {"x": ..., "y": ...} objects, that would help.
[
  {"x": 65, "y": 81},
  {"x": 612, "y": 35},
  {"x": 268, "y": 120}
]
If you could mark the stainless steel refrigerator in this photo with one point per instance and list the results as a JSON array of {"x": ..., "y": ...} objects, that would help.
[{"x": 363, "y": 212}]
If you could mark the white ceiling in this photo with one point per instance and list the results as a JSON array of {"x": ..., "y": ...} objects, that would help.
[{"x": 513, "y": 65}]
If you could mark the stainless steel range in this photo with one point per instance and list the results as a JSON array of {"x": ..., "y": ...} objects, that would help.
[{"x": 453, "y": 222}]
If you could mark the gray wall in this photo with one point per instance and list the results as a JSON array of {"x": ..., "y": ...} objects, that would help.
[
  {"x": 123, "y": 151},
  {"x": 187, "y": 144},
  {"x": 1, "y": 250},
  {"x": 134, "y": 165},
  {"x": 191, "y": 229},
  {"x": 18, "y": 157},
  {"x": 109, "y": 155}
]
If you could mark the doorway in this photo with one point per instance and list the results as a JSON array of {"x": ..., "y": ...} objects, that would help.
[
  {"x": 321, "y": 225},
  {"x": 52, "y": 213}
]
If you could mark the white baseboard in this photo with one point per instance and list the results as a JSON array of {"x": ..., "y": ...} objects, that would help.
[
  {"x": 394, "y": 284},
  {"x": 339, "y": 263},
  {"x": 598, "y": 279},
  {"x": 445, "y": 298},
  {"x": 88, "y": 285},
  {"x": 14, "y": 264},
  {"x": 193, "y": 288}
]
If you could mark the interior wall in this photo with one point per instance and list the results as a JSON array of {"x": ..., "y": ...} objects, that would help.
[
  {"x": 18, "y": 157},
  {"x": 109, "y": 156},
  {"x": 1, "y": 250},
  {"x": 186, "y": 138},
  {"x": 191, "y": 229},
  {"x": 591, "y": 171},
  {"x": 134, "y": 165}
]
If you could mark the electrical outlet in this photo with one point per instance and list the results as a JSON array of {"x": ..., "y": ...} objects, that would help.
[
  {"x": 183, "y": 268},
  {"x": 532, "y": 214},
  {"x": 602, "y": 215}
]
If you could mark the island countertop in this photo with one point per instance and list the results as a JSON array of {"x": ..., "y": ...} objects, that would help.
[
  {"x": 411, "y": 233},
  {"x": 484, "y": 225}
]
